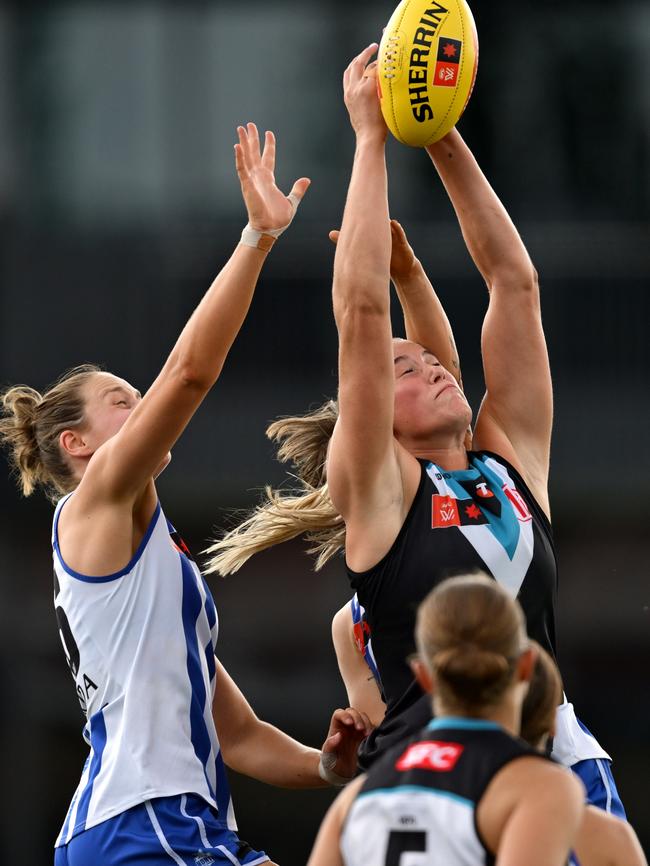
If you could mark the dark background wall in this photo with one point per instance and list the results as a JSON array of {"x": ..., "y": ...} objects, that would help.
[{"x": 118, "y": 204}]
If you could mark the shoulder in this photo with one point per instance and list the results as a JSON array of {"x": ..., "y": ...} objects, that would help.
[
  {"x": 601, "y": 833},
  {"x": 375, "y": 520},
  {"x": 342, "y": 627},
  {"x": 535, "y": 778},
  {"x": 341, "y": 620},
  {"x": 528, "y": 795}
]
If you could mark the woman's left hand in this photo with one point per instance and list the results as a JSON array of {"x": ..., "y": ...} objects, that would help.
[
  {"x": 347, "y": 729},
  {"x": 269, "y": 209}
]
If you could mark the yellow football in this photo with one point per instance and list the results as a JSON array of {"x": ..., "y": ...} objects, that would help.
[{"x": 426, "y": 68}]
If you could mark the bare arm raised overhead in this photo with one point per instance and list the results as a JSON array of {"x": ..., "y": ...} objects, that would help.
[
  {"x": 425, "y": 320},
  {"x": 363, "y": 471},
  {"x": 126, "y": 440},
  {"x": 516, "y": 416}
]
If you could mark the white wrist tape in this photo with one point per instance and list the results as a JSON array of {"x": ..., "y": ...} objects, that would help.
[
  {"x": 326, "y": 763},
  {"x": 252, "y": 237}
]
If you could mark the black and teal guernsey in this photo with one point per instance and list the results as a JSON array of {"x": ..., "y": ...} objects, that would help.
[
  {"x": 483, "y": 517},
  {"x": 422, "y": 795}
]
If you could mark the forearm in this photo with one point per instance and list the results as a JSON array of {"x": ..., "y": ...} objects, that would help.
[
  {"x": 490, "y": 236},
  {"x": 267, "y": 754},
  {"x": 203, "y": 345},
  {"x": 362, "y": 260},
  {"x": 425, "y": 319},
  {"x": 255, "y": 748}
]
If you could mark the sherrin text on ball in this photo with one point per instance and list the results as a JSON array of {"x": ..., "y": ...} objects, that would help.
[{"x": 426, "y": 68}]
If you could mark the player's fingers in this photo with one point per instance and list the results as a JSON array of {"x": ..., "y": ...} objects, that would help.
[
  {"x": 346, "y": 80},
  {"x": 298, "y": 190},
  {"x": 398, "y": 232},
  {"x": 334, "y": 236},
  {"x": 253, "y": 142},
  {"x": 350, "y": 718},
  {"x": 358, "y": 719},
  {"x": 240, "y": 164},
  {"x": 371, "y": 71},
  {"x": 361, "y": 61},
  {"x": 367, "y": 724},
  {"x": 268, "y": 155},
  {"x": 332, "y": 742},
  {"x": 244, "y": 146}
]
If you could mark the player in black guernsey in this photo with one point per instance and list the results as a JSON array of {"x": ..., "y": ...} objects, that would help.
[
  {"x": 482, "y": 517},
  {"x": 464, "y": 791},
  {"x": 387, "y": 471}
]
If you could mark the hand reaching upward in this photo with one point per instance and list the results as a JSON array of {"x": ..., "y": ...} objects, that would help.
[
  {"x": 361, "y": 96},
  {"x": 402, "y": 258},
  {"x": 269, "y": 209}
]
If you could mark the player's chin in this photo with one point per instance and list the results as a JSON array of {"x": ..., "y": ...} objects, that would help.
[{"x": 163, "y": 465}]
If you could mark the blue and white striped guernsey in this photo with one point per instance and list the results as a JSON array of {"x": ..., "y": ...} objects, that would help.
[{"x": 140, "y": 644}]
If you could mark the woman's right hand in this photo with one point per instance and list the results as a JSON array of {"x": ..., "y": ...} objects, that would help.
[
  {"x": 268, "y": 208},
  {"x": 361, "y": 96}
]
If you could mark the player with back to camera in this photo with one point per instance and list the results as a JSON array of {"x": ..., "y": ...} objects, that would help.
[
  {"x": 602, "y": 839},
  {"x": 137, "y": 620},
  {"x": 464, "y": 791},
  {"x": 385, "y": 471}
]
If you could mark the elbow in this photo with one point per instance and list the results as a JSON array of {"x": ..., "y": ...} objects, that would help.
[
  {"x": 360, "y": 321},
  {"x": 515, "y": 281},
  {"x": 359, "y": 301},
  {"x": 191, "y": 378}
]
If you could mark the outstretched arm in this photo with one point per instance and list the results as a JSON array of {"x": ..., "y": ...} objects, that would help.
[
  {"x": 425, "y": 320},
  {"x": 516, "y": 416},
  {"x": 363, "y": 471},
  {"x": 121, "y": 467},
  {"x": 257, "y": 749}
]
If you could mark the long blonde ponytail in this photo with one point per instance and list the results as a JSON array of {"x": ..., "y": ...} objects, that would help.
[{"x": 285, "y": 514}]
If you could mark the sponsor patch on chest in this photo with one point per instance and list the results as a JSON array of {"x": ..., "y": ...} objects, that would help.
[
  {"x": 432, "y": 755},
  {"x": 448, "y": 511}
]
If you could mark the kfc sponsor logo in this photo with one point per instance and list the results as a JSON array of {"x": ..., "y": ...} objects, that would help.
[{"x": 430, "y": 755}]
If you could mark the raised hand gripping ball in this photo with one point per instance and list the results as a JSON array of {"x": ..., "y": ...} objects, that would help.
[{"x": 426, "y": 68}]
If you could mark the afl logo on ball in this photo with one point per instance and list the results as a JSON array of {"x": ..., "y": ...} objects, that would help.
[{"x": 448, "y": 62}]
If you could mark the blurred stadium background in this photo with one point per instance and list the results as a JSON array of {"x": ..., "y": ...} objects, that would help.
[{"x": 118, "y": 204}]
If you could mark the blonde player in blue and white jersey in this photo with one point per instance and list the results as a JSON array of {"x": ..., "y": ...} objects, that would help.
[{"x": 137, "y": 621}]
